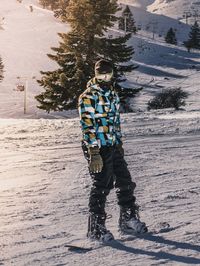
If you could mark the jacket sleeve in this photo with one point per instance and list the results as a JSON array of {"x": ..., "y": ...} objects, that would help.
[
  {"x": 118, "y": 122},
  {"x": 86, "y": 107}
]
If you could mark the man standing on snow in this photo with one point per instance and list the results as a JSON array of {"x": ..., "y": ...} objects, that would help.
[{"x": 102, "y": 145}]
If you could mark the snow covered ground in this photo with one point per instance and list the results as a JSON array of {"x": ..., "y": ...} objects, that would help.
[
  {"x": 27, "y": 37},
  {"x": 176, "y": 8},
  {"x": 44, "y": 181},
  {"x": 44, "y": 188},
  {"x": 170, "y": 8}
]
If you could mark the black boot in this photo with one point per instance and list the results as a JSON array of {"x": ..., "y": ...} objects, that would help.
[
  {"x": 97, "y": 229},
  {"x": 129, "y": 221}
]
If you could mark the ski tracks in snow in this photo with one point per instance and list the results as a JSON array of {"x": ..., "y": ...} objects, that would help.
[{"x": 44, "y": 186}]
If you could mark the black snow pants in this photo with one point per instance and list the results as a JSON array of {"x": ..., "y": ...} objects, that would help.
[{"x": 114, "y": 174}]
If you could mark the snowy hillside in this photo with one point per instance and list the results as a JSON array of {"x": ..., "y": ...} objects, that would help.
[
  {"x": 158, "y": 23},
  {"x": 44, "y": 180},
  {"x": 174, "y": 8},
  {"x": 27, "y": 37},
  {"x": 44, "y": 189},
  {"x": 143, "y": 4},
  {"x": 162, "y": 65},
  {"x": 171, "y": 8}
]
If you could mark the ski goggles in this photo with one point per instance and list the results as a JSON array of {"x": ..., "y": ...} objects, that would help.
[{"x": 104, "y": 77}]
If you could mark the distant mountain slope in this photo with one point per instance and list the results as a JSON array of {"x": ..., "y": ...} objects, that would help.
[
  {"x": 157, "y": 23},
  {"x": 26, "y": 37},
  {"x": 143, "y": 4},
  {"x": 174, "y": 8},
  {"x": 25, "y": 40}
]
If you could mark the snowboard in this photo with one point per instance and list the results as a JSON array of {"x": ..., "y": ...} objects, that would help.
[
  {"x": 77, "y": 247},
  {"x": 87, "y": 245}
]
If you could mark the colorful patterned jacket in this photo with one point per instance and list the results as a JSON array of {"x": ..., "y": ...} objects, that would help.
[{"x": 99, "y": 115}]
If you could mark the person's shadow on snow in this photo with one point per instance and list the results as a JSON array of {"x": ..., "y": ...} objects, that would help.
[{"x": 160, "y": 255}]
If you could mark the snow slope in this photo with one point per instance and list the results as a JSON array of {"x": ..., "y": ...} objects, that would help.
[
  {"x": 44, "y": 181},
  {"x": 174, "y": 8},
  {"x": 170, "y": 8},
  {"x": 27, "y": 37},
  {"x": 158, "y": 23},
  {"x": 143, "y": 4},
  {"x": 44, "y": 189},
  {"x": 162, "y": 65}
]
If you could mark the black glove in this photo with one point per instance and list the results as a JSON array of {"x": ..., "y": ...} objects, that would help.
[
  {"x": 95, "y": 161},
  {"x": 120, "y": 148}
]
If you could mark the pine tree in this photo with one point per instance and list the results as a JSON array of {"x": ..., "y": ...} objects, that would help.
[
  {"x": 60, "y": 11},
  {"x": 78, "y": 51},
  {"x": 171, "y": 37},
  {"x": 1, "y": 70},
  {"x": 53, "y": 4},
  {"x": 194, "y": 37},
  {"x": 58, "y": 6},
  {"x": 117, "y": 51},
  {"x": 126, "y": 21},
  {"x": 44, "y": 3}
]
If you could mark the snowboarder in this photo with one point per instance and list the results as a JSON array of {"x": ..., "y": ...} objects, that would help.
[{"x": 103, "y": 148}]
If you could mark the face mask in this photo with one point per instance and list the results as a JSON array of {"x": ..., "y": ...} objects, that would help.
[{"x": 107, "y": 77}]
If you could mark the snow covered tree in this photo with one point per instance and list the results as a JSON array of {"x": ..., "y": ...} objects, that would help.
[
  {"x": 53, "y": 4},
  {"x": 1, "y": 70},
  {"x": 61, "y": 9},
  {"x": 43, "y": 3},
  {"x": 78, "y": 51},
  {"x": 126, "y": 21},
  {"x": 49, "y": 3},
  {"x": 58, "y": 6},
  {"x": 194, "y": 37},
  {"x": 171, "y": 37}
]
